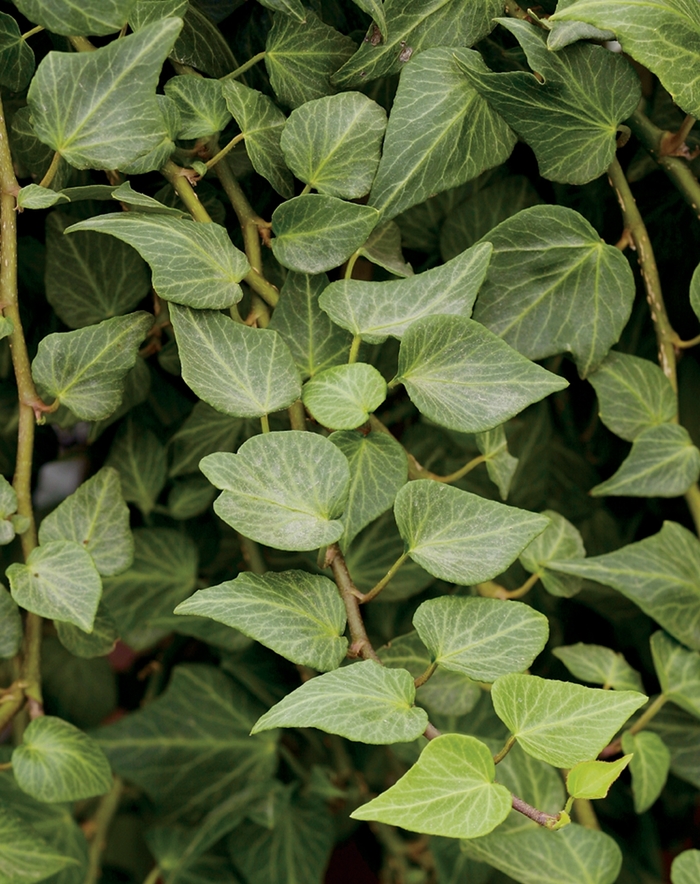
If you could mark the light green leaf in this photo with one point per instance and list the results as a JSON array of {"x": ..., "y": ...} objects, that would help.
[
  {"x": 450, "y": 791},
  {"x": 695, "y": 291},
  {"x": 98, "y": 643},
  {"x": 463, "y": 377},
  {"x": 593, "y": 779},
  {"x": 364, "y": 702},
  {"x": 59, "y": 581},
  {"x": 85, "y": 369},
  {"x": 285, "y": 489},
  {"x": 58, "y": 762},
  {"x": 315, "y": 233},
  {"x": 343, "y": 397},
  {"x": 147, "y": 11},
  {"x": 300, "y": 616},
  {"x": 8, "y": 499},
  {"x": 293, "y": 8},
  {"x": 637, "y": 27},
  {"x": 560, "y": 540},
  {"x": 458, "y": 536},
  {"x": 441, "y": 132},
  {"x": 599, "y": 665},
  {"x": 301, "y": 56},
  {"x": 25, "y": 857},
  {"x": 205, "y": 431},
  {"x": 660, "y": 574},
  {"x": 16, "y": 56},
  {"x": 11, "y": 631},
  {"x": 685, "y": 868},
  {"x": 554, "y": 286},
  {"x": 117, "y": 82},
  {"x": 193, "y": 264},
  {"x": 190, "y": 497},
  {"x": 140, "y": 461},
  {"x": 500, "y": 463},
  {"x": 633, "y": 395},
  {"x": 378, "y": 468},
  {"x": 482, "y": 638},
  {"x": 96, "y": 517},
  {"x": 6, "y": 327},
  {"x": 663, "y": 462},
  {"x": 88, "y": 278},
  {"x": 261, "y": 122},
  {"x": 200, "y": 103},
  {"x": 649, "y": 767},
  {"x": 333, "y": 143},
  {"x": 315, "y": 342},
  {"x": 95, "y": 17},
  {"x": 678, "y": 670},
  {"x": 559, "y": 722},
  {"x": 33, "y": 196},
  {"x": 377, "y": 310},
  {"x": 383, "y": 247}
]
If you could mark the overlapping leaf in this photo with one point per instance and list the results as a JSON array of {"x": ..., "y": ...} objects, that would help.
[
  {"x": 500, "y": 463},
  {"x": 26, "y": 857},
  {"x": 95, "y": 17},
  {"x": 204, "y": 431},
  {"x": 678, "y": 670},
  {"x": 98, "y": 643},
  {"x": 343, "y": 397},
  {"x": 200, "y": 104},
  {"x": 560, "y": 540},
  {"x": 649, "y": 766},
  {"x": 593, "y": 779},
  {"x": 383, "y": 247},
  {"x": 16, "y": 56},
  {"x": 140, "y": 460},
  {"x": 599, "y": 665},
  {"x": 11, "y": 632}
]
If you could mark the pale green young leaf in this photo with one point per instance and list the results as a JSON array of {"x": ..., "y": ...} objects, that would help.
[
  {"x": 464, "y": 377},
  {"x": 315, "y": 232},
  {"x": 59, "y": 581},
  {"x": 261, "y": 122},
  {"x": 285, "y": 490},
  {"x": 637, "y": 27},
  {"x": 377, "y": 310},
  {"x": 206, "y": 430},
  {"x": 79, "y": 101},
  {"x": 678, "y": 671},
  {"x": 16, "y": 56},
  {"x": 98, "y": 643},
  {"x": 441, "y": 132},
  {"x": 663, "y": 462},
  {"x": 593, "y": 779},
  {"x": 8, "y": 499},
  {"x": 559, "y": 722},
  {"x": 33, "y": 196},
  {"x": 301, "y": 56},
  {"x": 145, "y": 12},
  {"x": 300, "y": 616},
  {"x": 685, "y": 868},
  {"x": 96, "y": 517},
  {"x": 343, "y": 397},
  {"x": 482, "y": 638},
  {"x": 500, "y": 463},
  {"x": 660, "y": 574},
  {"x": 190, "y": 497},
  {"x": 554, "y": 286},
  {"x": 383, "y": 247},
  {"x": 364, "y": 702},
  {"x": 193, "y": 264},
  {"x": 11, "y": 632},
  {"x": 140, "y": 461},
  {"x": 85, "y": 369},
  {"x": 315, "y": 342},
  {"x": 458, "y": 536},
  {"x": 93, "y": 17},
  {"x": 378, "y": 468},
  {"x": 649, "y": 767},
  {"x": 293, "y": 8},
  {"x": 450, "y": 791},
  {"x": 633, "y": 395},
  {"x": 26, "y": 857},
  {"x": 239, "y": 370},
  {"x": 560, "y": 540},
  {"x": 201, "y": 105},
  {"x": 333, "y": 143},
  {"x": 599, "y": 665}
]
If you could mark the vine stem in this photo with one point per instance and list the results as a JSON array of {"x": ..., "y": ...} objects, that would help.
[
  {"x": 244, "y": 67},
  {"x": 32, "y": 31},
  {"x": 108, "y": 806},
  {"x": 499, "y": 756},
  {"x": 368, "y": 596},
  {"x": 360, "y": 645},
  {"x": 224, "y": 150},
  {"x": 429, "y": 672},
  {"x": 153, "y": 876},
  {"x": 82, "y": 44},
  {"x": 297, "y": 415},
  {"x": 539, "y": 816},
  {"x": 51, "y": 171},
  {"x": 183, "y": 188},
  {"x": 643, "y": 720}
]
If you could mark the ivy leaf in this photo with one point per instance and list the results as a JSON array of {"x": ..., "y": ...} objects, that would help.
[
  {"x": 293, "y": 8},
  {"x": 685, "y": 868},
  {"x": 25, "y": 857},
  {"x": 8, "y": 499},
  {"x": 285, "y": 489},
  {"x": 205, "y": 431},
  {"x": 463, "y": 377},
  {"x": 33, "y": 196},
  {"x": 560, "y": 540},
  {"x": 663, "y": 462},
  {"x": 144, "y": 12},
  {"x": 157, "y": 157},
  {"x": 85, "y": 369},
  {"x": 190, "y": 497},
  {"x": 11, "y": 632},
  {"x": 86, "y": 125},
  {"x": 500, "y": 463},
  {"x": 59, "y": 581},
  {"x": 58, "y": 762},
  {"x": 343, "y": 397},
  {"x": 633, "y": 395},
  {"x": 193, "y": 264},
  {"x": 298, "y": 615},
  {"x": 141, "y": 201},
  {"x": 559, "y": 722},
  {"x": 482, "y": 638},
  {"x": 441, "y": 132},
  {"x": 377, "y": 310},
  {"x": 261, "y": 123},
  {"x": 383, "y": 247},
  {"x": 593, "y": 779},
  {"x": 375, "y": 10},
  {"x": 16, "y": 56},
  {"x": 98, "y": 643},
  {"x": 649, "y": 767},
  {"x": 333, "y": 144},
  {"x": 201, "y": 105},
  {"x": 678, "y": 671},
  {"x": 458, "y": 536},
  {"x": 242, "y": 371},
  {"x": 364, "y": 702},
  {"x": 659, "y": 574},
  {"x": 378, "y": 468},
  {"x": 599, "y": 665},
  {"x": 95, "y": 17},
  {"x": 450, "y": 791},
  {"x": 554, "y": 286},
  {"x": 140, "y": 461},
  {"x": 695, "y": 292},
  {"x": 315, "y": 233}
]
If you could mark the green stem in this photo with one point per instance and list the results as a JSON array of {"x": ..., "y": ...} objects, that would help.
[
  {"x": 648, "y": 714},
  {"x": 515, "y": 10},
  {"x": 499, "y": 756},
  {"x": 467, "y": 468},
  {"x": 82, "y": 44},
  {"x": 244, "y": 67},
  {"x": 252, "y": 555},
  {"x": 360, "y": 645},
  {"x": 585, "y": 813},
  {"x": 297, "y": 415},
  {"x": 368, "y": 596},
  {"x": 421, "y": 679},
  {"x": 692, "y": 498},
  {"x": 182, "y": 187},
  {"x": 108, "y": 806},
  {"x": 265, "y": 423},
  {"x": 51, "y": 171},
  {"x": 522, "y": 590},
  {"x": 306, "y": 189},
  {"x": 354, "y": 349},
  {"x": 152, "y": 876},
  {"x": 686, "y": 345},
  {"x": 224, "y": 150},
  {"x": 32, "y": 31}
]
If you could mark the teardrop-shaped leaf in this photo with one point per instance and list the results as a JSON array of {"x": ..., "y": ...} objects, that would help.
[
  {"x": 500, "y": 463},
  {"x": 33, "y": 196},
  {"x": 16, "y": 56},
  {"x": 286, "y": 489},
  {"x": 465, "y": 378},
  {"x": 300, "y": 616},
  {"x": 685, "y": 868},
  {"x": 599, "y": 665},
  {"x": 449, "y": 791},
  {"x": 458, "y": 536},
  {"x": 554, "y": 286},
  {"x": 593, "y": 779},
  {"x": 560, "y": 540},
  {"x": 26, "y": 857},
  {"x": 483, "y": 638},
  {"x": 85, "y": 370},
  {"x": 678, "y": 670},
  {"x": 559, "y": 722},
  {"x": 94, "y": 17},
  {"x": 649, "y": 767},
  {"x": 242, "y": 371},
  {"x": 343, "y": 397},
  {"x": 364, "y": 702},
  {"x": 201, "y": 106},
  {"x": 141, "y": 463},
  {"x": 377, "y": 310},
  {"x": 11, "y": 632}
]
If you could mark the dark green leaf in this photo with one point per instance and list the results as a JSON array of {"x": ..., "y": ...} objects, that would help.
[
  {"x": 140, "y": 461},
  {"x": 500, "y": 463},
  {"x": 649, "y": 767},
  {"x": 25, "y": 857},
  {"x": 10, "y": 625},
  {"x": 88, "y": 17},
  {"x": 201, "y": 106},
  {"x": 383, "y": 247},
  {"x": 190, "y": 497},
  {"x": 98, "y": 643},
  {"x": 678, "y": 670},
  {"x": 205, "y": 431},
  {"x": 16, "y": 56},
  {"x": 202, "y": 45},
  {"x": 144, "y": 12}
]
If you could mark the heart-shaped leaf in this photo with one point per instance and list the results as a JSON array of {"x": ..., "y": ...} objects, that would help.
[
  {"x": 343, "y": 397},
  {"x": 560, "y": 540},
  {"x": 599, "y": 665}
]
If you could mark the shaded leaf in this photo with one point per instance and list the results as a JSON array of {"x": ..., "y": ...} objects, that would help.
[
  {"x": 11, "y": 632},
  {"x": 559, "y": 540},
  {"x": 190, "y": 497},
  {"x": 33, "y": 196},
  {"x": 16, "y": 56},
  {"x": 500, "y": 463},
  {"x": 144, "y": 12},
  {"x": 593, "y": 779},
  {"x": 343, "y": 397},
  {"x": 140, "y": 461},
  {"x": 383, "y": 247},
  {"x": 98, "y": 643},
  {"x": 678, "y": 671},
  {"x": 649, "y": 767},
  {"x": 599, "y": 665},
  {"x": 206, "y": 430},
  {"x": 25, "y": 857},
  {"x": 201, "y": 105},
  {"x": 685, "y": 868},
  {"x": 201, "y": 45}
]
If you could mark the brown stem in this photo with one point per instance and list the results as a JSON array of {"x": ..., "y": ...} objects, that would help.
[
  {"x": 650, "y": 712},
  {"x": 360, "y": 645},
  {"x": 674, "y": 142},
  {"x": 539, "y": 816},
  {"x": 431, "y": 732}
]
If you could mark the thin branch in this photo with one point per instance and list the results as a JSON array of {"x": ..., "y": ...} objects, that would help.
[
  {"x": 297, "y": 415},
  {"x": 462, "y": 471},
  {"x": 354, "y": 349},
  {"x": 431, "y": 732},
  {"x": 108, "y": 806},
  {"x": 32, "y": 31},
  {"x": 692, "y": 498},
  {"x": 514, "y": 10},
  {"x": 521, "y": 590},
  {"x": 499, "y": 756},
  {"x": 179, "y": 178},
  {"x": 615, "y": 747},
  {"x": 686, "y": 345},
  {"x": 244, "y": 67},
  {"x": 368, "y": 596},
  {"x": 82, "y": 44},
  {"x": 224, "y": 150},
  {"x": 539, "y": 816},
  {"x": 429, "y": 672},
  {"x": 360, "y": 645},
  {"x": 51, "y": 171},
  {"x": 673, "y": 143},
  {"x": 252, "y": 555}
]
